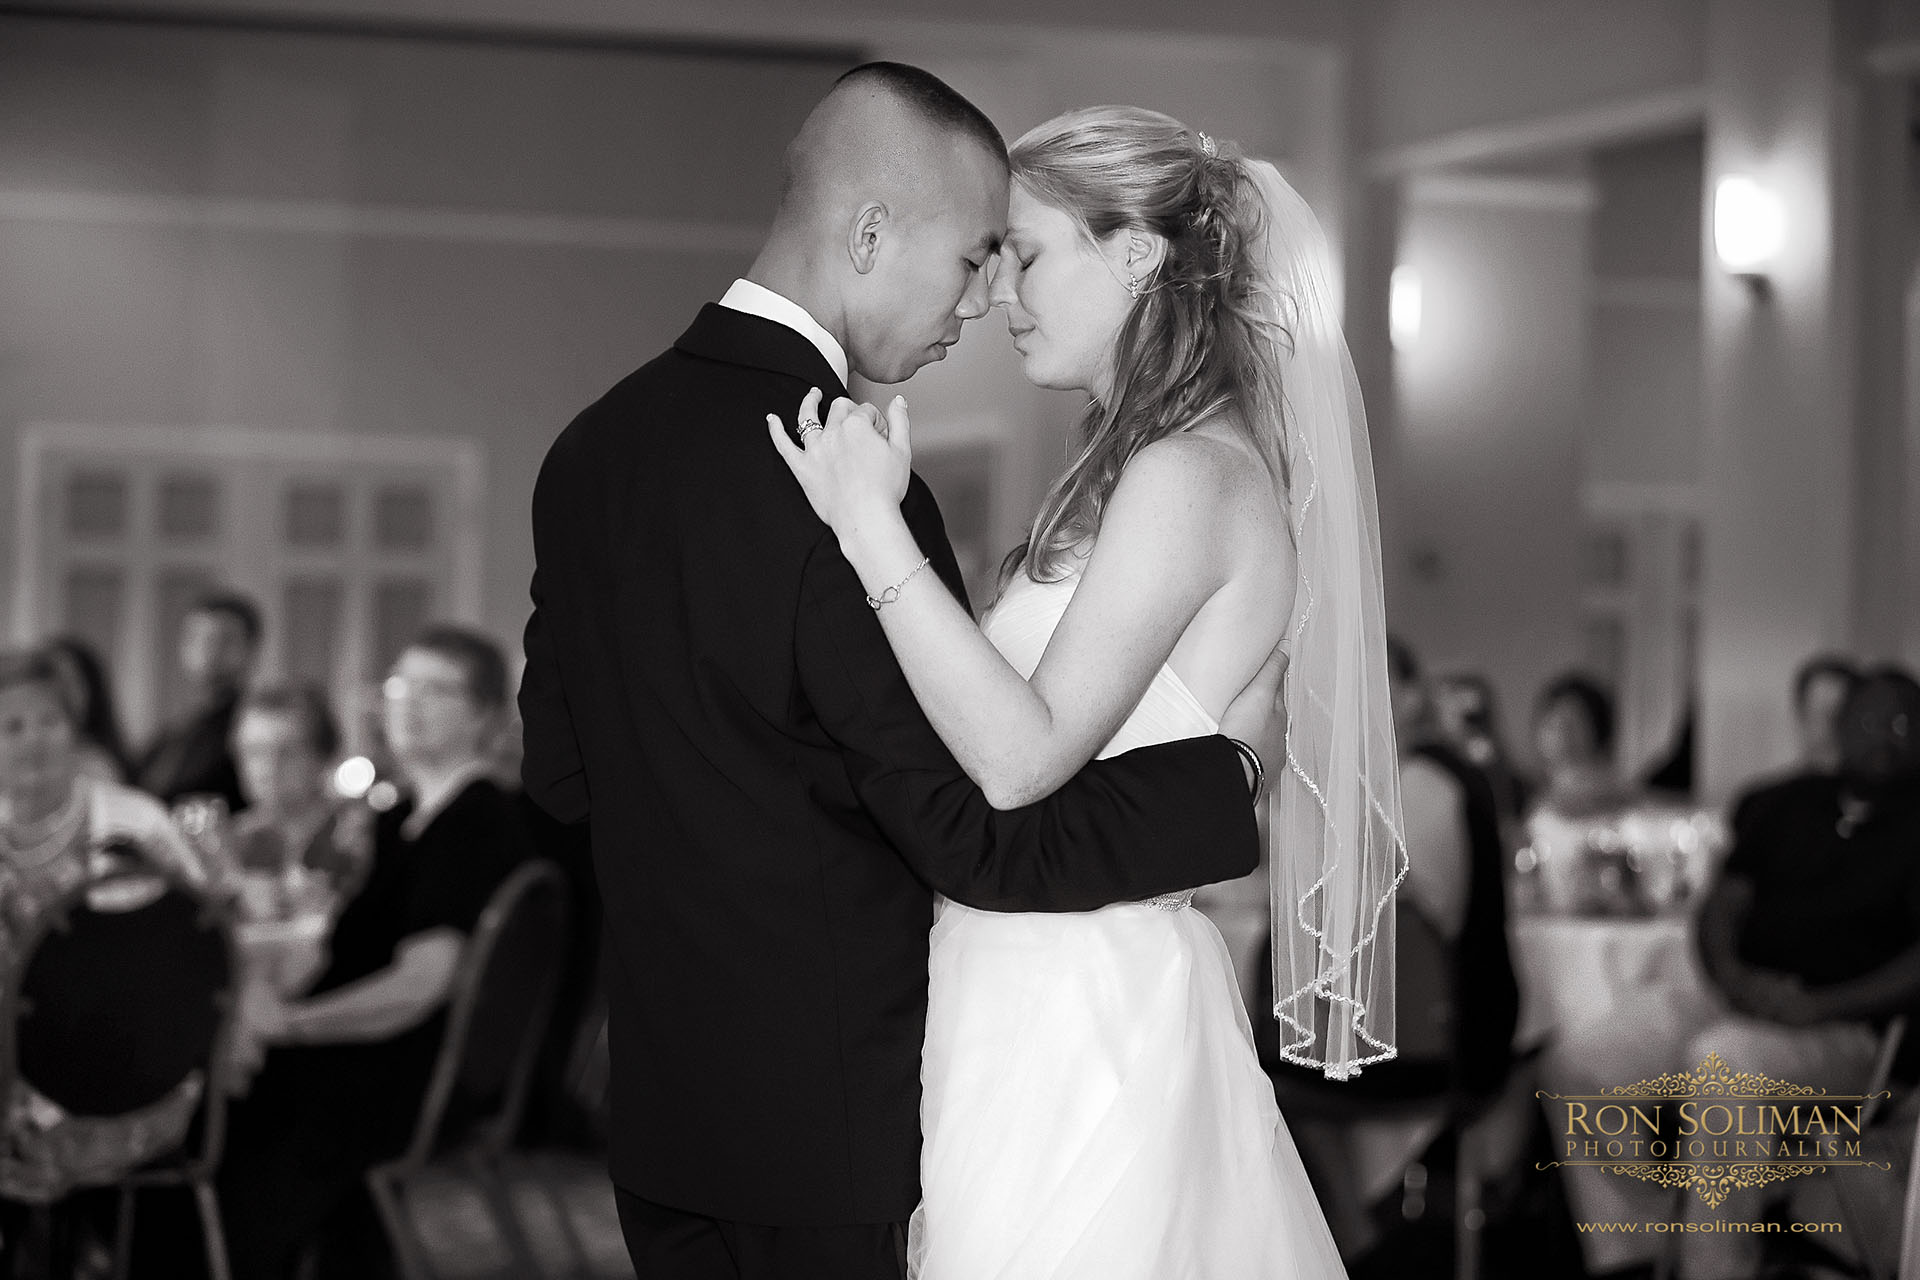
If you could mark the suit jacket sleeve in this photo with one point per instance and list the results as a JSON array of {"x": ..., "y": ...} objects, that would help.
[
  {"x": 1152, "y": 821},
  {"x": 551, "y": 769}
]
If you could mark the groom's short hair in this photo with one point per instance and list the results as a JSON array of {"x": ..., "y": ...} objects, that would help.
[{"x": 938, "y": 102}]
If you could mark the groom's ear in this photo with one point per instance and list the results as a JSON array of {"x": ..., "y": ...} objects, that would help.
[{"x": 863, "y": 236}]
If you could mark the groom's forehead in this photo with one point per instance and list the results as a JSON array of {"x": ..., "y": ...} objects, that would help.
[
  {"x": 961, "y": 189},
  {"x": 976, "y": 213},
  {"x": 988, "y": 240}
]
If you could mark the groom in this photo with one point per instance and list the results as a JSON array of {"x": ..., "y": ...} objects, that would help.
[{"x": 771, "y": 814}]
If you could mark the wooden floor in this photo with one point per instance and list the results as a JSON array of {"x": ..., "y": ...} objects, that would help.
[{"x": 565, "y": 1204}]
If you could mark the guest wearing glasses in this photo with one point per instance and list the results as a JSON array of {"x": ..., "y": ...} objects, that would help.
[
  {"x": 341, "y": 1087},
  {"x": 219, "y": 640}
]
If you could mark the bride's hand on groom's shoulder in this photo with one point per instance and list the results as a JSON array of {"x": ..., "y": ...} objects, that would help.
[{"x": 854, "y": 463}]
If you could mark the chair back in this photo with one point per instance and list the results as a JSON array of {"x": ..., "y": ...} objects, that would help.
[
  {"x": 127, "y": 986},
  {"x": 496, "y": 1016},
  {"x": 125, "y": 991}
]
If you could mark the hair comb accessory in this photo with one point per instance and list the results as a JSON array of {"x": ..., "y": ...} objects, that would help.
[{"x": 1208, "y": 147}]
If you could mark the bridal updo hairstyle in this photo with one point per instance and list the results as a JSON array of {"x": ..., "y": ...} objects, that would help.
[{"x": 1204, "y": 335}]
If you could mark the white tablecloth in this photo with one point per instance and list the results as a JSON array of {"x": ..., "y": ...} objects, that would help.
[{"x": 1574, "y": 971}]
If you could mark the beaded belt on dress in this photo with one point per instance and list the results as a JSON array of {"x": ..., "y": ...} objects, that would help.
[{"x": 1171, "y": 901}]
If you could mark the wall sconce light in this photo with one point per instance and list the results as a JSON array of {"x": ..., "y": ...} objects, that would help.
[
  {"x": 1749, "y": 228},
  {"x": 1403, "y": 307}
]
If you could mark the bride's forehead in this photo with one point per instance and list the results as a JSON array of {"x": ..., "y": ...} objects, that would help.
[{"x": 1028, "y": 215}]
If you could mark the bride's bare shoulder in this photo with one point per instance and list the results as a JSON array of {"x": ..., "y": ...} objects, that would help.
[{"x": 1190, "y": 463}]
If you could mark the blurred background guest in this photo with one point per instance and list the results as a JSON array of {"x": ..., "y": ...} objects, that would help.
[
  {"x": 59, "y": 828},
  {"x": 1820, "y": 687},
  {"x": 1673, "y": 773},
  {"x": 1808, "y": 943},
  {"x": 343, "y": 1083},
  {"x": 285, "y": 740},
  {"x": 446, "y": 701},
  {"x": 1455, "y": 1007},
  {"x": 102, "y": 745},
  {"x": 56, "y": 820},
  {"x": 1457, "y": 888},
  {"x": 219, "y": 640},
  {"x": 1812, "y": 933},
  {"x": 1579, "y": 796},
  {"x": 1468, "y": 716},
  {"x": 1573, "y": 736}
]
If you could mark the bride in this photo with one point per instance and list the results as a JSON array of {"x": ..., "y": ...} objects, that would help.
[{"x": 1093, "y": 1105}]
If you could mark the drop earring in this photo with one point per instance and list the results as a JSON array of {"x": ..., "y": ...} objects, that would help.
[{"x": 1133, "y": 284}]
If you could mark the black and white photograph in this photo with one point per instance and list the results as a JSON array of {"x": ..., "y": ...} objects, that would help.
[{"x": 959, "y": 640}]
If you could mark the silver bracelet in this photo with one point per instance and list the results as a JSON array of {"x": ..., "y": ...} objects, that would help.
[
  {"x": 1251, "y": 758},
  {"x": 892, "y": 593}
]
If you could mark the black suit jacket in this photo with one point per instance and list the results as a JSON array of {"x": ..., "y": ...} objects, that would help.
[{"x": 771, "y": 813}]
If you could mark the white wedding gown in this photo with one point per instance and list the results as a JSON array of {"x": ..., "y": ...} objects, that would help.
[{"x": 1093, "y": 1107}]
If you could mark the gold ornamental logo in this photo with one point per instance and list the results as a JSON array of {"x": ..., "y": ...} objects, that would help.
[{"x": 1712, "y": 1130}]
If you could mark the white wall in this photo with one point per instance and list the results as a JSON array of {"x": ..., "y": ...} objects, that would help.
[
  {"x": 810, "y": 22},
  {"x": 1643, "y": 423},
  {"x": 1436, "y": 67},
  {"x": 1489, "y": 410},
  {"x": 1779, "y": 442},
  {"x": 511, "y": 230}
]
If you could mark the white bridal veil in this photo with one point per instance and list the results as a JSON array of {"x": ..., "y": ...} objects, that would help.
[{"x": 1334, "y": 847}]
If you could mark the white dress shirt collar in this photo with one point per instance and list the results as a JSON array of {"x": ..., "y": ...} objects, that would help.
[{"x": 758, "y": 300}]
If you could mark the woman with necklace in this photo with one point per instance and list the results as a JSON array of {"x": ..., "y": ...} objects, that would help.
[{"x": 59, "y": 828}]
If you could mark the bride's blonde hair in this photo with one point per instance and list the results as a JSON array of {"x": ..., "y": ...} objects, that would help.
[{"x": 1195, "y": 344}]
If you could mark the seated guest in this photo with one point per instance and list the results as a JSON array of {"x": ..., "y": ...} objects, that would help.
[
  {"x": 1820, "y": 687},
  {"x": 1672, "y": 774},
  {"x": 1810, "y": 939},
  {"x": 284, "y": 741},
  {"x": 1455, "y": 884},
  {"x": 1813, "y": 932},
  {"x": 1468, "y": 717},
  {"x": 1573, "y": 734},
  {"x": 1579, "y": 800},
  {"x": 342, "y": 1086},
  {"x": 59, "y": 828},
  {"x": 219, "y": 640},
  {"x": 102, "y": 747}
]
